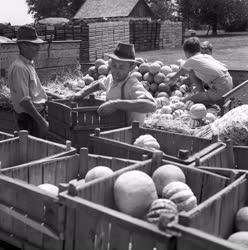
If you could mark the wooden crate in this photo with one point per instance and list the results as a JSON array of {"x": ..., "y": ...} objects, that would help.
[
  {"x": 7, "y": 121},
  {"x": 216, "y": 215},
  {"x": 93, "y": 220},
  {"x": 191, "y": 239},
  {"x": 238, "y": 95},
  {"x": 176, "y": 147},
  {"x": 25, "y": 148},
  {"x": 4, "y": 136},
  {"x": 235, "y": 157},
  {"x": 75, "y": 121},
  {"x": 23, "y": 219}
]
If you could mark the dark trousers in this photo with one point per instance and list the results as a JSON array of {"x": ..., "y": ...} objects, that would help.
[{"x": 26, "y": 122}]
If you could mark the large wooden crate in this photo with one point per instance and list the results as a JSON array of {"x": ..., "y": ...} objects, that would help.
[
  {"x": 238, "y": 95},
  {"x": 193, "y": 239},
  {"x": 176, "y": 147},
  {"x": 75, "y": 121},
  {"x": 216, "y": 216},
  {"x": 93, "y": 220},
  {"x": 30, "y": 218},
  {"x": 25, "y": 148},
  {"x": 235, "y": 157}
]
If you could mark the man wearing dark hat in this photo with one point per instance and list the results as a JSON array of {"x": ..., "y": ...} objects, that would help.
[
  {"x": 123, "y": 91},
  {"x": 27, "y": 95}
]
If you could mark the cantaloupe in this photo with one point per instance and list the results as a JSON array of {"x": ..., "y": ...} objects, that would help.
[
  {"x": 50, "y": 188},
  {"x": 144, "y": 68},
  {"x": 240, "y": 238},
  {"x": 181, "y": 194},
  {"x": 198, "y": 111},
  {"x": 98, "y": 172},
  {"x": 159, "y": 207},
  {"x": 165, "y": 174},
  {"x": 241, "y": 219},
  {"x": 100, "y": 62},
  {"x": 134, "y": 192}
]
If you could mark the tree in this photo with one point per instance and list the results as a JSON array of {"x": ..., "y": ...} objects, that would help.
[
  {"x": 163, "y": 9},
  {"x": 213, "y": 12},
  {"x": 53, "y": 8}
]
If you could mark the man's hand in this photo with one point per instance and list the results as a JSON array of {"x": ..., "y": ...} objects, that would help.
[{"x": 107, "y": 108}]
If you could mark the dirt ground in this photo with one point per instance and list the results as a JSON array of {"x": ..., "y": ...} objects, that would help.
[{"x": 231, "y": 50}]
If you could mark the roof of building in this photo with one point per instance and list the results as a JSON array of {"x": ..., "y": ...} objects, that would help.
[{"x": 106, "y": 8}]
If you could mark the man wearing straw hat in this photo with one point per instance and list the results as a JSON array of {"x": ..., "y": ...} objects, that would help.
[{"x": 27, "y": 95}]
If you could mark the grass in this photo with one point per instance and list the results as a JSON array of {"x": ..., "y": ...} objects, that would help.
[{"x": 231, "y": 50}]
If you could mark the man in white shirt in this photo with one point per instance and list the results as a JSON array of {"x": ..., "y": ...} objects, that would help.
[
  {"x": 203, "y": 70},
  {"x": 27, "y": 95}
]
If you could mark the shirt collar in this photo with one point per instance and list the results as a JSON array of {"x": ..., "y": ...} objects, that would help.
[{"x": 26, "y": 61}]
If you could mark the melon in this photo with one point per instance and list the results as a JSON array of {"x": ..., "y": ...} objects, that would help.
[
  {"x": 147, "y": 141},
  {"x": 154, "y": 68},
  {"x": 174, "y": 99},
  {"x": 163, "y": 94},
  {"x": 50, "y": 188},
  {"x": 166, "y": 174},
  {"x": 159, "y": 207},
  {"x": 166, "y": 110},
  {"x": 134, "y": 192},
  {"x": 181, "y": 194},
  {"x": 154, "y": 87},
  {"x": 177, "y": 113},
  {"x": 241, "y": 219},
  {"x": 160, "y": 63},
  {"x": 177, "y": 93},
  {"x": 148, "y": 77},
  {"x": 174, "y": 67},
  {"x": 103, "y": 69},
  {"x": 98, "y": 172},
  {"x": 162, "y": 101},
  {"x": 166, "y": 70},
  {"x": 100, "y": 62},
  {"x": 159, "y": 78},
  {"x": 92, "y": 71},
  {"x": 198, "y": 111},
  {"x": 144, "y": 68},
  {"x": 210, "y": 117},
  {"x": 138, "y": 75},
  {"x": 164, "y": 87},
  {"x": 239, "y": 238},
  {"x": 188, "y": 105}
]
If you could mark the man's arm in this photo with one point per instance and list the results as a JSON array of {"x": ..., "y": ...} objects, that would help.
[
  {"x": 86, "y": 91},
  {"x": 139, "y": 105},
  {"x": 30, "y": 109}
]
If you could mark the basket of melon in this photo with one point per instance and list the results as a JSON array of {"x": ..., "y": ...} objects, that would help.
[
  {"x": 124, "y": 209},
  {"x": 224, "y": 220},
  {"x": 29, "y": 196}
]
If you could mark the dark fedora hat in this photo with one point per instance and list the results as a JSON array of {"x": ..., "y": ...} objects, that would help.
[
  {"x": 124, "y": 52},
  {"x": 27, "y": 34}
]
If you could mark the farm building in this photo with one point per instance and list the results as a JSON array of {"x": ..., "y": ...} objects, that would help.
[{"x": 95, "y": 10}]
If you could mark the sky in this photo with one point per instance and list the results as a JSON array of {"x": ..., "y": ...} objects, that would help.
[{"x": 15, "y": 12}]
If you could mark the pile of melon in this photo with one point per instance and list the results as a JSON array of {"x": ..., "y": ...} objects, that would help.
[
  {"x": 164, "y": 194},
  {"x": 240, "y": 237},
  {"x": 187, "y": 115}
]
